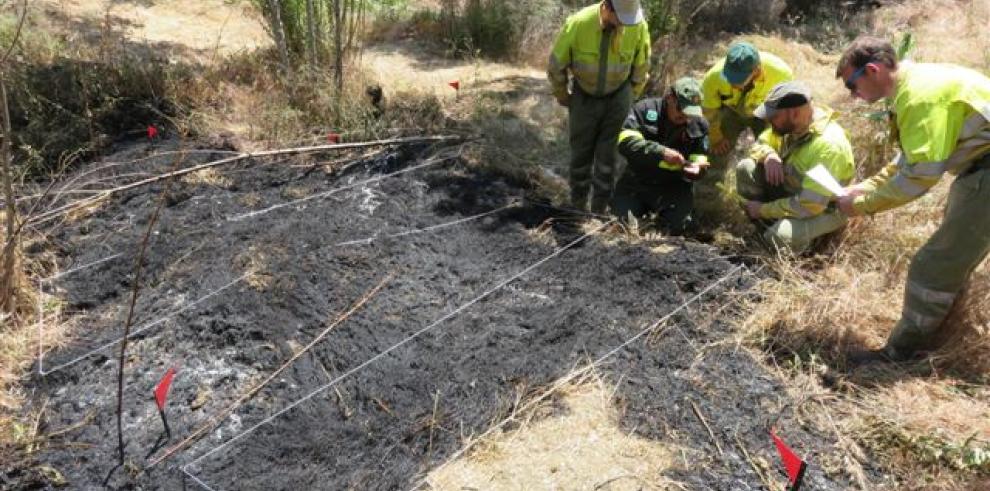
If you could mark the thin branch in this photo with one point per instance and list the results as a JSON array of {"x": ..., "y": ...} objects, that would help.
[
  {"x": 17, "y": 35},
  {"x": 138, "y": 270}
]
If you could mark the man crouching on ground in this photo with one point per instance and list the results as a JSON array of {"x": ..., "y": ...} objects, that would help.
[
  {"x": 662, "y": 141},
  {"x": 775, "y": 181}
]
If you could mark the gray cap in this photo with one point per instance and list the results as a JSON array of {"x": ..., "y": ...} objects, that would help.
[{"x": 784, "y": 95}]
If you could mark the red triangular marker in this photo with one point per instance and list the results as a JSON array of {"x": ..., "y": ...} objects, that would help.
[
  {"x": 333, "y": 137},
  {"x": 161, "y": 391},
  {"x": 794, "y": 465},
  {"x": 455, "y": 84},
  {"x": 152, "y": 132}
]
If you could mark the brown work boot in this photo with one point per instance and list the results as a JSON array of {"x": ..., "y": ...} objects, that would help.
[{"x": 856, "y": 357}]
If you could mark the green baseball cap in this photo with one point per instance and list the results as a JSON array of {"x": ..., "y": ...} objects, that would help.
[
  {"x": 740, "y": 62},
  {"x": 688, "y": 92}
]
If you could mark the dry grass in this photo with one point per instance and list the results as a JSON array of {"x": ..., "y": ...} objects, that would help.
[
  {"x": 583, "y": 448},
  {"x": 207, "y": 177},
  {"x": 929, "y": 422}
]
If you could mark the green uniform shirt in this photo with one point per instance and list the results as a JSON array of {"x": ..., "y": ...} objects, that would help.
[
  {"x": 825, "y": 143},
  {"x": 941, "y": 115},
  {"x": 599, "y": 60},
  {"x": 716, "y": 92}
]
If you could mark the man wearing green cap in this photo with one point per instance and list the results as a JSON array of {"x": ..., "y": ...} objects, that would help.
[
  {"x": 603, "y": 53},
  {"x": 941, "y": 118},
  {"x": 776, "y": 178},
  {"x": 733, "y": 89},
  {"x": 663, "y": 140}
]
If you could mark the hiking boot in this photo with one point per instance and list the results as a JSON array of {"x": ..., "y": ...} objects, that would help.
[{"x": 861, "y": 356}]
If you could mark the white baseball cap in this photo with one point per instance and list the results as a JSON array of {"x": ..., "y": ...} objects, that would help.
[{"x": 629, "y": 12}]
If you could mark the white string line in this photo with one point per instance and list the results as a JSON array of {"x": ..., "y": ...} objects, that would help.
[
  {"x": 431, "y": 228},
  {"x": 196, "y": 479},
  {"x": 364, "y": 241},
  {"x": 84, "y": 266},
  {"x": 251, "y": 214},
  {"x": 149, "y": 325},
  {"x": 567, "y": 379},
  {"x": 258, "y": 212},
  {"x": 398, "y": 345}
]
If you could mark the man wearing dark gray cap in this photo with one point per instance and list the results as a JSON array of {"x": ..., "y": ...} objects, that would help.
[{"x": 775, "y": 179}]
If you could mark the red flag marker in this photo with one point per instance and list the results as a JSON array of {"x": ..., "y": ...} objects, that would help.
[
  {"x": 161, "y": 394},
  {"x": 152, "y": 132},
  {"x": 333, "y": 137},
  {"x": 455, "y": 84},
  {"x": 795, "y": 465}
]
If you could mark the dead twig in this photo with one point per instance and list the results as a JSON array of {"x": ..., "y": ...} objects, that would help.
[
  {"x": 711, "y": 434},
  {"x": 220, "y": 416},
  {"x": 138, "y": 272},
  {"x": 433, "y": 425},
  {"x": 752, "y": 463}
]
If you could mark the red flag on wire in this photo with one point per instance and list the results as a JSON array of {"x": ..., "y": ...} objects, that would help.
[
  {"x": 333, "y": 137},
  {"x": 795, "y": 465},
  {"x": 455, "y": 84},
  {"x": 152, "y": 132},
  {"x": 161, "y": 391}
]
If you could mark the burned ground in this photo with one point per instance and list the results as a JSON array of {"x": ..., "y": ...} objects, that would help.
[{"x": 285, "y": 273}]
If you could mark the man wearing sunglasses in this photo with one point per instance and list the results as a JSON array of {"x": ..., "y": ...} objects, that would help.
[
  {"x": 941, "y": 116},
  {"x": 775, "y": 179},
  {"x": 603, "y": 52},
  {"x": 665, "y": 144},
  {"x": 732, "y": 90}
]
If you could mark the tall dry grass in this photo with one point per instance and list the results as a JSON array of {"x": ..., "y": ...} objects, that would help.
[{"x": 928, "y": 422}]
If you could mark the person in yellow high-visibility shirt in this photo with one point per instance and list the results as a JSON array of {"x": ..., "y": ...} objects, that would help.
[
  {"x": 731, "y": 91},
  {"x": 775, "y": 179},
  {"x": 603, "y": 53},
  {"x": 941, "y": 116}
]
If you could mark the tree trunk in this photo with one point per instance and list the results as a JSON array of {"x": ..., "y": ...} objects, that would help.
[
  {"x": 7, "y": 277},
  {"x": 278, "y": 31},
  {"x": 338, "y": 45},
  {"x": 311, "y": 34},
  {"x": 318, "y": 22}
]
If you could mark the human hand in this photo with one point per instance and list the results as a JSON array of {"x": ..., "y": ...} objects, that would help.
[
  {"x": 774, "y": 169},
  {"x": 721, "y": 147},
  {"x": 672, "y": 156},
  {"x": 845, "y": 202},
  {"x": 753, "y": 209}
]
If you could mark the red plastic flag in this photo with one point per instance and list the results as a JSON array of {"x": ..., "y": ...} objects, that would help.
[
  {"x": 455, "y": 84},
  {"x": 794, "y": 465},
  {"x": 152, "y": 132},
  {"x": 161, "y": 391},
  {"x": 333, "y": 137}
]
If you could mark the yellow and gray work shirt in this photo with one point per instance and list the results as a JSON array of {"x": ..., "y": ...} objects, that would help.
[
  {"x": 825, "y": 143},
  {"x": 600, "y": 60},
  {"x": 941, "y": 114}
]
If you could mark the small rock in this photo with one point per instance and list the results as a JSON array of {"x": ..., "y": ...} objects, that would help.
[{"x": 200, "y": 399}]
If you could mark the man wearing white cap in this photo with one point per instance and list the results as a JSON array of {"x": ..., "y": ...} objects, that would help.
[{"x": 603, "y": 54}]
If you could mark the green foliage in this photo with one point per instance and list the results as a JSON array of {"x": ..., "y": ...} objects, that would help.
[
  {"x": 73, "y": 108},
  {"x": 935, "y": 450},
  {"x": 905, "y": 46}
]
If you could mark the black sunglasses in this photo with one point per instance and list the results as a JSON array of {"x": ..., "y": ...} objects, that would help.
[{"x": 851, "y": 81}]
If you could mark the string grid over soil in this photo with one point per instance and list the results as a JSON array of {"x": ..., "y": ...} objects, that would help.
[{"x": 390, "y": 423}]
